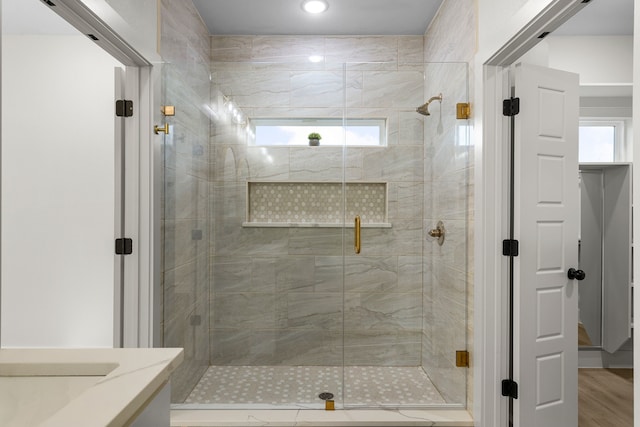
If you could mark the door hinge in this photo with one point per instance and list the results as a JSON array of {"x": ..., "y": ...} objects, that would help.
[
  {"x": 511, "y": 107},
  {"x": 124, "y": 108},
  {"x": 462, "y": 359},
  {"x": 510, "y": 389},
  {"x": 463, "y": 110},
  {"x": 510, "y": 247},
  {"x": 124, "y": 246}
]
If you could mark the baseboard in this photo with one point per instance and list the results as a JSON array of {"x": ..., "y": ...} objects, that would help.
[{"x": 597, "y": 358}]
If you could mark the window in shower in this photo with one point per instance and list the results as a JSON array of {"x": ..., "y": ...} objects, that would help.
[{"x": 294, "y": 131}]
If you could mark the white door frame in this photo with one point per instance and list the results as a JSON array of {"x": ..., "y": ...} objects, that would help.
[
  {"x": 492, "y": 218},
  {"x": 141, "y": 217}
]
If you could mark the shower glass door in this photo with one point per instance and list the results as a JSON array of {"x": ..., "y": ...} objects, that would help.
[
  {"x": 262, "y": 325},
  {"x": 405, "y": 300},
  {"x": 185, "y": 222},
  {"x": 262, "y": 282}
]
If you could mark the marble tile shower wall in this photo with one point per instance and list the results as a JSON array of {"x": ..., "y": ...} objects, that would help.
[
  {"x": 448, "y": 297},
  {"x": 184, "y": 47},
  {"x": 447, "y": 183},
  {"x": 277, "y": 293}
]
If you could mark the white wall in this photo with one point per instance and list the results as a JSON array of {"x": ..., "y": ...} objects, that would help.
[
  {"x": 500, "y": 20},
  {"x": 57, "y": 192},
  {"x": 600, "y": 60}
]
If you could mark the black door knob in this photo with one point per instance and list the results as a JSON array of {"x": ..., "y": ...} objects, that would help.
[{"x": 576, "y": 274}]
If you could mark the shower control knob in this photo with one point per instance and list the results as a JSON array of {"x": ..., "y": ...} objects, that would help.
[{"x": 576, "y": 274}]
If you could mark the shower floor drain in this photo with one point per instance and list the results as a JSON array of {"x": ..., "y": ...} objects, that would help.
[{"x": 326, "y": 396}]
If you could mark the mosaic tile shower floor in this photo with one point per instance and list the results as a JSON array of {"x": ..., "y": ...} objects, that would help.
[{"x": 281, "y": 385}]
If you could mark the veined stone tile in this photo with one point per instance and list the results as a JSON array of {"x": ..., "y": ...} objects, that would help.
[
  {"x": 228, "y": 200},
  {"x": 255, "y": 88},
  {"x": 258, "y": 310},
  {"x": 231, "y": 274},
  {"x": 317, "y": 89},
  {"x": 380, "y": 311},
  {"x": 263, "y": 274},
  {"x": 411, "y": 128},
  {"x": 231, "y": 48},
  {"x": 295, "y": 273},
  {"x": 343, "y": 49},
  {"x": 382, "y": 348},
  {"x": 267, "y": 163},
  {"x": 371, "y": 274},
  {"x": 279, "y": 112},
  {"x": 232, "y": 239},
  {"x": 411, "y": 50},
  {"x": 179, "y": 247},
  {"x": 410, "y": 273},
  {"x": 308, "y": 348},
  {"x": 329, "y": 274},
  {"x": 314, "y": 311},
  {"x": 315, "y": 241},
  {"x": 444, "y": 41},
  {"x": 398, "y": 89},
  {"x": 397, "y": 163},
  {"x": 242, "y": 347},
  {"x": 286, "y": 48},
  {"x": 450, "y": 199},
  {"x": 406, "y": 200},
  {"x": 306, "y": 164}
]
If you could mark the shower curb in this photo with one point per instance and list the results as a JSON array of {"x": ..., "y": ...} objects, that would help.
[{"x": 319, "y": 418}]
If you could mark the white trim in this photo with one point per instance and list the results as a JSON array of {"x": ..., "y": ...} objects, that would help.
[
  {"x": 132, "y": 180},
  {"x": 147, "y": 212},
  {"x": 596, "y": 358},
  {"x": 87, "y": 22},
  {"x": 118, "y": 214},
  {"x": 636, "y": 196},
  {"x": 490, "y": 298}
]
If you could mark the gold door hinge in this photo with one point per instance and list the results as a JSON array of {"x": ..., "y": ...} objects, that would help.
[
  {"x": 168, "y": 110},
  {"x": 462, "y": 359},
  {"x": 463, "y": 110}
]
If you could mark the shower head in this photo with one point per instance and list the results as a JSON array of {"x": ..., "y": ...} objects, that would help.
[{"x": 424, "y": 108}]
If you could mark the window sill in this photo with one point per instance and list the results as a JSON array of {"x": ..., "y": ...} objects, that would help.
[{"x": 311, "y": 225}]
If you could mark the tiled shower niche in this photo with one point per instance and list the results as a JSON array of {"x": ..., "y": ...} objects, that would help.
[{"x": 315, "y": 204}]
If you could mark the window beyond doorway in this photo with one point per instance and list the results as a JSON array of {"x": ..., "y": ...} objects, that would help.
[{"x": 601, "y": 141}]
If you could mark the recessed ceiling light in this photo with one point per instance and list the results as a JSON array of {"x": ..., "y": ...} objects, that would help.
[{"x": 315, "y": 6}]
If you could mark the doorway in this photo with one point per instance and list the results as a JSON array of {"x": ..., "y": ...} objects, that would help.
[
  {"x": 550, "y": 19},
  {"x": 58, "y": 173}
]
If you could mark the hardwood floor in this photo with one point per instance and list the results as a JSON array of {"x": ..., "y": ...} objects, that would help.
[{"x": 605, "y": 397}]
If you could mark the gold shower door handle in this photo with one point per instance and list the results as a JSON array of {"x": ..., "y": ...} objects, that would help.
[{"x": 357, "y": 234}]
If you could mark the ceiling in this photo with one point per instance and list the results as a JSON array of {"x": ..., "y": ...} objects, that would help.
[
  {"x": 378, "y": 17},
  {"x": 600, "y": 18},
  {"x": 356, "y": 17},
  {"x": 344, "y": 17}
]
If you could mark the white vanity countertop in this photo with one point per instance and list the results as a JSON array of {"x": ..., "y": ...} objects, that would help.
[{"x": 111, "y": 386}]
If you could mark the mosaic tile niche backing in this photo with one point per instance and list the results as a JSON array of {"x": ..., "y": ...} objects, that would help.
[{"x": 315, "y": 203}]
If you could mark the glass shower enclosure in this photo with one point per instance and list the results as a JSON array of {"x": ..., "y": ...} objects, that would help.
[{"x": 291, "y": 269}]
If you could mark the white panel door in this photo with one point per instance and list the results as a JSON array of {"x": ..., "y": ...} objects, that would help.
[{"x": 546, "y": 224}]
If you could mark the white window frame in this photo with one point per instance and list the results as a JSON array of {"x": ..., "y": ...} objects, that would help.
[
  {"x": 316, "y": 124},
  {"x": 620, "y": 148}
]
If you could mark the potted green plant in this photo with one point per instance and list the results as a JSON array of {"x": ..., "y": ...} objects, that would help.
[{"x": 314, "y": 139}]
